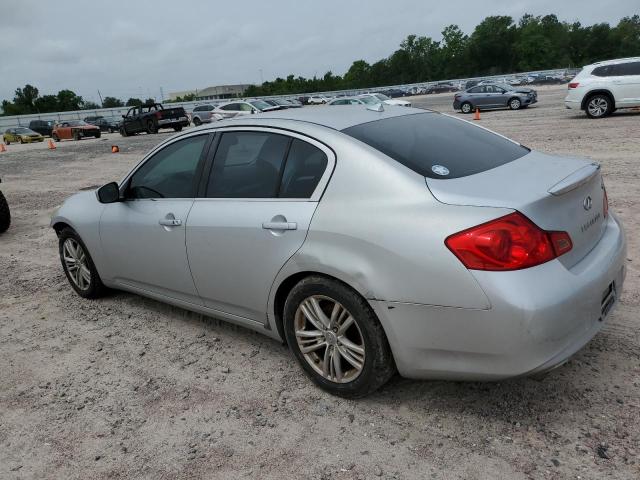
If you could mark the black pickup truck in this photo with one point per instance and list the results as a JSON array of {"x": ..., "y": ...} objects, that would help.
[{"x": 150, "y": 118}]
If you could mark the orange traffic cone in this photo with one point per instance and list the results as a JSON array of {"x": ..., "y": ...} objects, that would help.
[
  {"x": 2, "y": 147},
  {"x": 52, "y": 146},
  {"x": 114, "y": 149},
  {"x": 477, "y": 114}
]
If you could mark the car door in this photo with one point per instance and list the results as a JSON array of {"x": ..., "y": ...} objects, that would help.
[
  {"x": 490, "y": 98},
  {"x": 262, "y": 190},
  {"x": 131, "y": 122},
  {"x": 627, "y": 84},
  {"x": 143, "y": 237},
  {"x": 64, "y": 131}
]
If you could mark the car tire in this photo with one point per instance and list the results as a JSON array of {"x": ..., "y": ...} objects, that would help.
[
  {"x": 151, "y": 127},
  {"x": 5, "y": 214},
  {"x": 55, "y": 137},
  {"x": 197, "y": 122},
  {"x": 20, "y": 140},
  {"x": 84, "y": 279},
  {"x": 98, "y": 135},
  {"x": 123, "y": 132},
  {"x": 466, "y": 107},
  {"x": 7, "y": 142},
  {"x": 598, "y": 106},
  {"x": 178, "y": 128},
  {"x": 76, "y": 136},
  {"x": 350, "y": 363},
  {"x": 515, "y": 103}
]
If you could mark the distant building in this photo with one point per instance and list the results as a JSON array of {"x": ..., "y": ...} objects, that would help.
[{"x": 213, "y": 93}]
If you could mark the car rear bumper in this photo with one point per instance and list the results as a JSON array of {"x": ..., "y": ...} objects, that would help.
[
  {"x": 538, "y": 318},
  {"x": 573, "y": 104}
]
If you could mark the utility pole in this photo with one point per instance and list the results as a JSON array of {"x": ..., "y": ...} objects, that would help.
[
  {"x": 261, "y": 78},
  {"x": 161, "y": 95},
  {"x": 101, "y": 101}
]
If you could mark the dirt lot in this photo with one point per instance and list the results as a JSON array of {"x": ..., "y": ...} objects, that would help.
[{"x": 126, "y": 387}]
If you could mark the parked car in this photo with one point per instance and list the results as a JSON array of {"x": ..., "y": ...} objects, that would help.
[
  {"x": 150, "y": 118},
  {"x": 294, "y": 103},
  {"x": 353, "y": 101},
  {"x": 381, "y": 97},
  {"x": 318, "y": 99},
  {"x": 74, "y": 129},
  {"x": 462, "y": 254},
  {"x": 441, "y": 88},
  {"x": 21, "y": 135},
  {"x": 394, "y": 93},
  {"x": 493, "y": 96},
  {"x": 279, "y": 103},
  {"x": 601, "y": 88},
  {"x": 243, "y": 107},
  {"x": 106, "y": 124},
  {"x": 205, "y": 114},
  {"x": 43, "y": 127},
  {"x": 547, "y": 80},
  {"x": 5, "y": 213}
]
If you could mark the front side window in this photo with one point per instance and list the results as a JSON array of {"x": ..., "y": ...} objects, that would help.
[
  {"x": 247, "y": 165},
  {"x": 170, "y": 173},
  {"x": 245, "y": 107},
  {"x": 630, "y": 68},
  {"x": 230, "y": 107}
]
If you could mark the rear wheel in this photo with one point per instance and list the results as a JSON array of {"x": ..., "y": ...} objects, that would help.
[
  {"x": 466, "y": 107},
  {"x": 123, "y": 132},
  {"x": 76, "y": 136},
  {"x": 178, "y": 128},
  {"x": 197, "y": 122},
  {"x": 5, "y": 214},
  {"x": 599, "y": 106},
  {"x": 151, "y": 127},
  {"x": 98, "y": 134},
  {"x": 515, "y": 104},
  {"x": 7, "y": 141},
  {"x": 78, "y": 265},
  {"x": 337, "y": 338},
  {"x": 55, "y": 137},
  {"x": 20, "y": 140}
]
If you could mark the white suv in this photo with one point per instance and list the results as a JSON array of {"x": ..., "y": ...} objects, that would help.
[{"x": 603, "y": 87}]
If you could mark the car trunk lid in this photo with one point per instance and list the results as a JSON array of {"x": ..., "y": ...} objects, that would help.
[{"x": 556, "y": 193}]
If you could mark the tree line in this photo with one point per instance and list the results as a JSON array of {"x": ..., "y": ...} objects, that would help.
[
  {"x": 497, "y": 45},
  {"x": 28, "y": 100}
]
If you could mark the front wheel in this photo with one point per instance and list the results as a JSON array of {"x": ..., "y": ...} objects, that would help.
[
  {"x": 123, "y": 132},
  {"x": 98, "y": 134},
  {"x": 77, "y": 136},
  {"x": 337, "y": 338},
  {"x": 515, "y": 104},
  {"x": 178, "y": 128},
  {"x": 78, "y": 265},
  {"x": 20, "y": 140},
  {"x": 151, "y": 127},
  {"x": 197, "y": 122},
  {"x": 466, "y": 107},
  {"x": 599, "y": 106},
  {"x": 5, "y": 214},
  {"x": 55, "y": 137}
]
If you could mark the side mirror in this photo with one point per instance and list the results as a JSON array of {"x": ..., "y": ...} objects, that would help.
[
  {"x": 124, "y": 116},
  {"x": 253, "y": 110},
  {"x": 109, "y": 193}
]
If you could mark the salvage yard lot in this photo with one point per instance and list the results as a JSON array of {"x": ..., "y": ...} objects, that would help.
[{"x": 126, "y": 387}]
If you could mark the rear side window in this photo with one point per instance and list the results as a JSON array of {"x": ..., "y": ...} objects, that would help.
[
  {"x": 247, "y": 165},
  {"x": 437, "y": 146},
  {"x": 604, "y": 71},
  {"x": 631, "y": 68},
  {"x": 303, "y": 170}
]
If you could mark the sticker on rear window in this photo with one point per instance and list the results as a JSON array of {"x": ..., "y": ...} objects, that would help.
[{"x": 440, "y": 170}]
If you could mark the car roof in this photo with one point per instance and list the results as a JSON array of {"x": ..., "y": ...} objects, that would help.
[
  {"x": 336, "y": 117},
  {"x": 615, "y": 61}
]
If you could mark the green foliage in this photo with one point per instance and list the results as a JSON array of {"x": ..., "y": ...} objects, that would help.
[
  {"x": 112, "y": 102},
  {"x": 133, "y": 102}
]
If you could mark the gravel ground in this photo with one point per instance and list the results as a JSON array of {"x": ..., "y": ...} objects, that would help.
[{"x": 126, "y": 387}]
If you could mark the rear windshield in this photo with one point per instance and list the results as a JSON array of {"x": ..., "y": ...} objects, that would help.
[{"x": 437, "y": 146}]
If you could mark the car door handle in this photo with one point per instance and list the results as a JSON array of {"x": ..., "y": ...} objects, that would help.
[
  {"x": 170, "y": 222},
  {"x": 280, "y": 225}
]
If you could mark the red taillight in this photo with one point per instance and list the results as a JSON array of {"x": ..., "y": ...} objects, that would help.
[
  {"x": 574, "y": 84},
  {"x": 511, "y": 242}
]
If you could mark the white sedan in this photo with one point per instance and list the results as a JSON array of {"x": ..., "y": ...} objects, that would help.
[{"x": 388, "y": 100}]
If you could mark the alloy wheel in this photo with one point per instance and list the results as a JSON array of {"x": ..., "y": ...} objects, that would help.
[
  {"x": 515, "y": 104},
  {"x": 329, "y": 338},
  {"x": 75, "y": 261},
  {"x": 597, "y": 106}
]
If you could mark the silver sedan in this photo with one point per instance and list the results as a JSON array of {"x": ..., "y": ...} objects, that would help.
[{"x": 370, "y": 240}]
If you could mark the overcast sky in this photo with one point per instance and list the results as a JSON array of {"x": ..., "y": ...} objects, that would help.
[{"x": 132, "y": 48}]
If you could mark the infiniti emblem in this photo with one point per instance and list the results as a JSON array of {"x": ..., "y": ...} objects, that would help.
[{"x": 587, "y": 203}]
